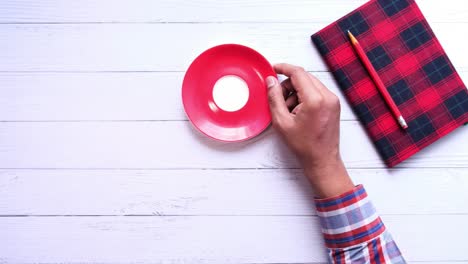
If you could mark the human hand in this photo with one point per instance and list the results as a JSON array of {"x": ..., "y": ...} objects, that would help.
[{"x": 307, "y": 115}]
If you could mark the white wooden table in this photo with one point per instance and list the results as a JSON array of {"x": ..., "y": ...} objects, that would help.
[{"x": 98, "y": 163}]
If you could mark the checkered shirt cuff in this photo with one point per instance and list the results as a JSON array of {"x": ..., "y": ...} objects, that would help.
[{"x": 348, "y": 219}]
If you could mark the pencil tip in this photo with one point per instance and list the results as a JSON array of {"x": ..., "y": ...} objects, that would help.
[{"x": 351, "y": 37}]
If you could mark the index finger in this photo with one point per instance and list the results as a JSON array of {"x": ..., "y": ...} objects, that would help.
[
  {"x": 286, "y": 69},
  {"x": 299, "y": 77}
]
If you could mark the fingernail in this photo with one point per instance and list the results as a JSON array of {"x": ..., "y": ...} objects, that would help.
[{"x": 270, "y": 81}]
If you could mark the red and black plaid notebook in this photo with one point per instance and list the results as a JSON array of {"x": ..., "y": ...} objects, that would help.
[{"x": 413, "y": 66}]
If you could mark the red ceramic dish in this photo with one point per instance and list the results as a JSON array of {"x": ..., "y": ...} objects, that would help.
[{"x": 203, "y": 110}]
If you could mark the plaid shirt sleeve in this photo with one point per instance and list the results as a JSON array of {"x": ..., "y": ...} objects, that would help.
[{"x": 353, "y": 231}]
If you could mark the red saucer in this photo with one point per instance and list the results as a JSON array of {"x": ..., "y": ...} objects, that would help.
[{"x": 197, "y": 92}]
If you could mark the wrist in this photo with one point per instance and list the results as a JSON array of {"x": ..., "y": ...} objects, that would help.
[{"x": 329, "y": 179}]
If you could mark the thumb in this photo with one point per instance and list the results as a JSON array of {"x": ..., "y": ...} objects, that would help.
[{"x": 279, "y": 110}]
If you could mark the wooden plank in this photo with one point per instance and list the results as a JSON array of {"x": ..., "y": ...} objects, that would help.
[
  {"x": 243, "y": 239},
  {"x": 442, "y": 262},
  {"x": 177, "y": 145},
  {"x": 162, "y": 11},
  {"x": 106, "y": 96},
  {"x": 103, "y": 96},
  {"x": 219, "y": 192},
  {"x": 169, "y": 47}
]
